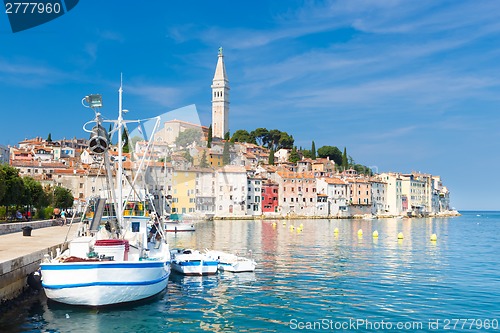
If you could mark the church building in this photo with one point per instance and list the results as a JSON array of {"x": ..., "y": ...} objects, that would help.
[{"x": 220, "y": 99}]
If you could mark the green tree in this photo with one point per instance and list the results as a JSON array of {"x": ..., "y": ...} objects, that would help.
[
  {"x": 313, "y": 151},
  {"x": 227, "y": 136},
  {"x": 14, "y": 188},
  {"x": 63, "y": 198},
  {"x": 188, "y": 136},
  {"x": 203, "y": 161},
  {"x": 209, "y": 139},
  {"x": 226, "y": 155},
  {"x": 286, "y": 141},
  {"x": 34, "y": 195},
  {"x": 3, "y": 186},
  {"x": 188, "y": 156},
  {"x": 306, "y": 153},
  {"x": 294, "y": 155},
  {"x": 345, "y": 163},
  {"x": 125, "y": 147},
  {"x": 271, "y": 157},
  {"x": 49, "y": 138},
  {"x": 332, "y": 152},
  {"x": 260, "y": 135},
  {"x": 242, "y": 136}
]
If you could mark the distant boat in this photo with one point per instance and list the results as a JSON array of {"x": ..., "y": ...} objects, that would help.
[
  {"x": 231, "y": 262},
  {"x": 192, "y": 262},
  {"x": 175, "y": 223},
  {"x": 108, "y": 267}
]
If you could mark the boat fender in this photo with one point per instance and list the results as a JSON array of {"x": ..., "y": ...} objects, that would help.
[{"x": 35, "y": 280}]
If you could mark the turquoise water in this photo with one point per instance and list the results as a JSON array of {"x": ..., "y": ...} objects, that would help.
[{"x": 314, "y": 280}]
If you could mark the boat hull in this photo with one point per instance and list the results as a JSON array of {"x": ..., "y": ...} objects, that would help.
[
  {"x": 178, "y": 227},
  {"x": 238, "y": 267},
  {"x": 195, "y": 268},
  {"x": 104, "y": 283}
]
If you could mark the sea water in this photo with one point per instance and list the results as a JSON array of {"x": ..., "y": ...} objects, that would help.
[{"x": 310, "y": 278}]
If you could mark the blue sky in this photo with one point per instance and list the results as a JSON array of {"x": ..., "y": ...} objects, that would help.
[{"x": 404, "y": 85}]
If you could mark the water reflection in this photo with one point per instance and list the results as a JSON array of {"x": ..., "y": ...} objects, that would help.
[{"x": 311, "y": 274}]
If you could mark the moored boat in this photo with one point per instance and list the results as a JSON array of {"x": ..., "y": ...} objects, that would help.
[
  {"x": 231, "y": 262},
  {"x": 178, "y": 226},
  {"x": 192, "y": 262},
  {"x": 115, "y": 264}
]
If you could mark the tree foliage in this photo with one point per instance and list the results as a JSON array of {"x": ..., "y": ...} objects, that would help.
[
  {"x": 294, "y": 155},
  {"x": 271, "y": 157},
  {"x": 125, "y": 147},
  {"x": 63, "y": 198},
  {"x": 204, "y": 161},
  {"x": 188, "y": 136},
  {"x": 345, "y": 163},
  {"x": 272, "y": 139},
  {"x": 209, "y": 139},
  {"x": 332, "y": 152},
  {"x": 243, "y": 136},
  {"x": 34, "y": 195},
  {"x": 313, "y": 150}
]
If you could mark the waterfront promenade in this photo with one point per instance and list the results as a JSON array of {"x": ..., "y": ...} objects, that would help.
[{"x": 21, "y": 255}]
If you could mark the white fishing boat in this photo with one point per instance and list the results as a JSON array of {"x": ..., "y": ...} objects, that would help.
[
  {"x": 192, "y": 262},
  {"x": 176, "y": 223},
  {"x": 178, "y": 226},
  {"x": 119, "y": 265},
  {"x": 230, "y": 262}
]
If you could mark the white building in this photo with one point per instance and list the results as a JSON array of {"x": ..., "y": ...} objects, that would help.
[
  {"x": 205, "y": 192},
  {"x": 254, "y": 196},
  {"x": 231, "y": 191},
  {"x": 336, "y": 190},
  {"x": 393, "y": 193},
  {"x": 379, "y": 197}
]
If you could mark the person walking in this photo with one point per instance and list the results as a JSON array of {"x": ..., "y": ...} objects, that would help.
[{"x": 63, "y": 216}]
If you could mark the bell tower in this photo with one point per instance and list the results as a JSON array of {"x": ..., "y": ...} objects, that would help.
[{"x": 220, "y": 99}]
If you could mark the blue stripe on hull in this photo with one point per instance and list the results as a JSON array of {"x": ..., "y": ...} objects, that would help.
[
  {"x": 197, "y": 263},
  {"x": 106, "y": 283},
  {"x": 109, "y": 265}
]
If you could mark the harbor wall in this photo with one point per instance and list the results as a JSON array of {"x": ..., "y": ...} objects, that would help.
[
  {"x": 14, "y": 273},
  {"x": 11, "y": 227}
]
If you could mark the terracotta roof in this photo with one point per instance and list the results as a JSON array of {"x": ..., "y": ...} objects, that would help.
[{"x": 334, "y": 181}]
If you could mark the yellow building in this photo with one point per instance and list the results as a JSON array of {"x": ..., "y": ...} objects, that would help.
[
  {"x": 215, "y": 159},
  {"x": 183, "y": 192}
]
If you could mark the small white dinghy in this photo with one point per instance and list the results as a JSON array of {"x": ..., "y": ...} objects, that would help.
[
  {"x": 231, "y": 262},
  {"x": 192, "y": 262}
]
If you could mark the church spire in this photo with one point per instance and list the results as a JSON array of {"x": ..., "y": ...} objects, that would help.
[{"x": 220, "y": 99}]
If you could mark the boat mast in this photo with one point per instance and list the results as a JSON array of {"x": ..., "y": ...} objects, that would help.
[{"x": 119, "y": 211}]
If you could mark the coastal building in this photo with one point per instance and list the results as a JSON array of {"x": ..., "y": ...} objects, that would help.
[
  {"x": 270, "y": 201},
  {"x": 205, "y": 192},
  {"x": 297, "y": 193},
  {"x": 220, "y": 99},
  {"x": 4, "y": 154},
  {"x": 393, "y": 192},
  {"x": 231, "y": 191},
  {"x": 336, "y": 191},
  {"x": 414, "y": 187},
  {"x": 254, "y": 196},
  {"x": 379, "y": 196},
  {"x": 172, "y": 128},
  {"x": 360, "y": 195},
  {"x": 183, "y": 192}
]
